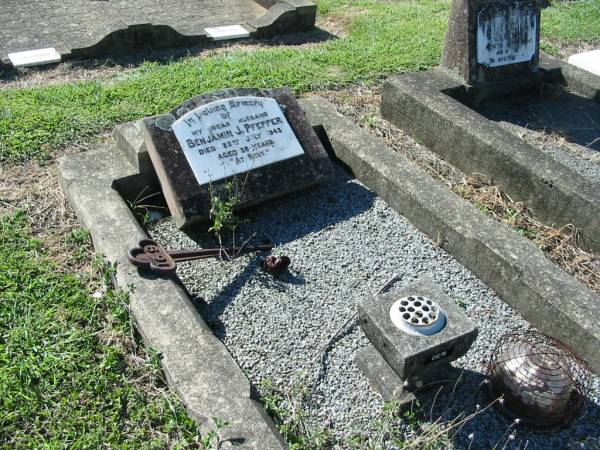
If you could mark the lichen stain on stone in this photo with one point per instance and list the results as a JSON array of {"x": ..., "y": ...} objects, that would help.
[{"x": 164, "y": 122}]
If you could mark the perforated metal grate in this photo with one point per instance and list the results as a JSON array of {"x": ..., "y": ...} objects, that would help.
[{"x": 417, "y": 315}]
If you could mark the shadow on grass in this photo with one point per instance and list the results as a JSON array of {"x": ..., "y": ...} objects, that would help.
[{"x": 168, "y": 55}]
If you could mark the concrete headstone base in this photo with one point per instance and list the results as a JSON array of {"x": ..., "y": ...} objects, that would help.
[{"x": 392, "y": 388}]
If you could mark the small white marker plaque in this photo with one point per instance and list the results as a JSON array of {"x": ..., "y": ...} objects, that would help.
[
  {"x": 34, "y": 57},
  {"x": 506, "y": 34},
  {"x": 235, "y": 135},
  {"x": 589, "y": 61},
  {"x": 227, "y": 32}
]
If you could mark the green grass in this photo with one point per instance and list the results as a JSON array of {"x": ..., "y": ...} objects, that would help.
[
  {"x": 388, "y": 37},
  {"x": 384, "y": 38},
  {"x": 571, "y": 22},
  {"x": 65, "y": 380}
]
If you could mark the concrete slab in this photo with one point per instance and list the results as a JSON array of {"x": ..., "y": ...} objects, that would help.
[
  {"x": 544, "y": 294},
  {"x": 197, "y": 365},
  {"x": 227, "y": 32},
  {"x": 114, "y": 27}
]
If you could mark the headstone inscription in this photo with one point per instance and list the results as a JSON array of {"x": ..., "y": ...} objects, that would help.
[
  {"x": 256, "y": 143},
  {"x": 491, "y": 40}
]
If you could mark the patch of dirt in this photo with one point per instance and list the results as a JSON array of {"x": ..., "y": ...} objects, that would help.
[
  {"x": 338, "y": 23},
  {"x": 34, "y": 188},
  {"x": 560, "y": 245}
]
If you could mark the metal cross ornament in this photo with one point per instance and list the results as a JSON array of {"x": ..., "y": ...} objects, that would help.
[{"x": 152, "y": 256}]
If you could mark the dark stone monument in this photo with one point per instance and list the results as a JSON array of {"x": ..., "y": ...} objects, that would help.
[
  {"x": 489, "y": 40},
  {"x": 254, "y": 143},
  {"x": 416, "y": 333}
]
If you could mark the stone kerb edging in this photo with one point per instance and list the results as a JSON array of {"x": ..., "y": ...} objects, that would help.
[
  {"x": 543, "y": 293},
  {"x": 287, "y": 16},
  {"x": 197, "y": 365},
  {"x": 284, "y": 17},
  {"x": 582, "y": 81},
  {"x": 419, "y": 104}
]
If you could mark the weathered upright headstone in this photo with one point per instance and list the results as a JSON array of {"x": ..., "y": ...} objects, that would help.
[
  {"x": 255, "y": 144},
  {"x": 490, "y": 40}
]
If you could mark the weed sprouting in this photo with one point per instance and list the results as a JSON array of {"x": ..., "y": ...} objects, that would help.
[
  {"x": 287, "y": 407},
  {"x": 461, "y": 303},
  {"x": 140, "y": 207},
  {"x": 211, "y": 440},
  {"x": 222, "y": 212},
  {"x": 223, "y": 203}
]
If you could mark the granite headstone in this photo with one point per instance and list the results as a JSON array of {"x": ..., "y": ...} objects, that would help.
[
  {"x": 257, "y": 141},
  {"x": 492, "y": 40}
]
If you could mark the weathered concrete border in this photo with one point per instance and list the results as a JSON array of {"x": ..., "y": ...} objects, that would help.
[
  {"x": 580, "y": 80},
  {"x": 198, "y": 366},
  {"x": 281, "y": 16},
  {"x": 421, "y": 104},
  {"x": 544, "y": 294}
]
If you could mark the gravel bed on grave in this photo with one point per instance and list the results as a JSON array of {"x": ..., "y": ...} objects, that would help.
[
  {"x": 562, "y": 124},
  {"x": 345, "y": 244}
]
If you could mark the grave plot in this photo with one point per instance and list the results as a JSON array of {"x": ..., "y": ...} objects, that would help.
[
  {"x": 293, "y": 341},
  {"x": 560, "y": 245},
  {"x": 507, "y": 261},
  {"x": 42, "y": 32},
  {"x": 491, "y": 57},
  {"x": 345, "y": 244}
]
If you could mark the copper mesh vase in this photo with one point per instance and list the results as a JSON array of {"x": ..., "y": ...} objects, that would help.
[{"x": 540, "y": 379}]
